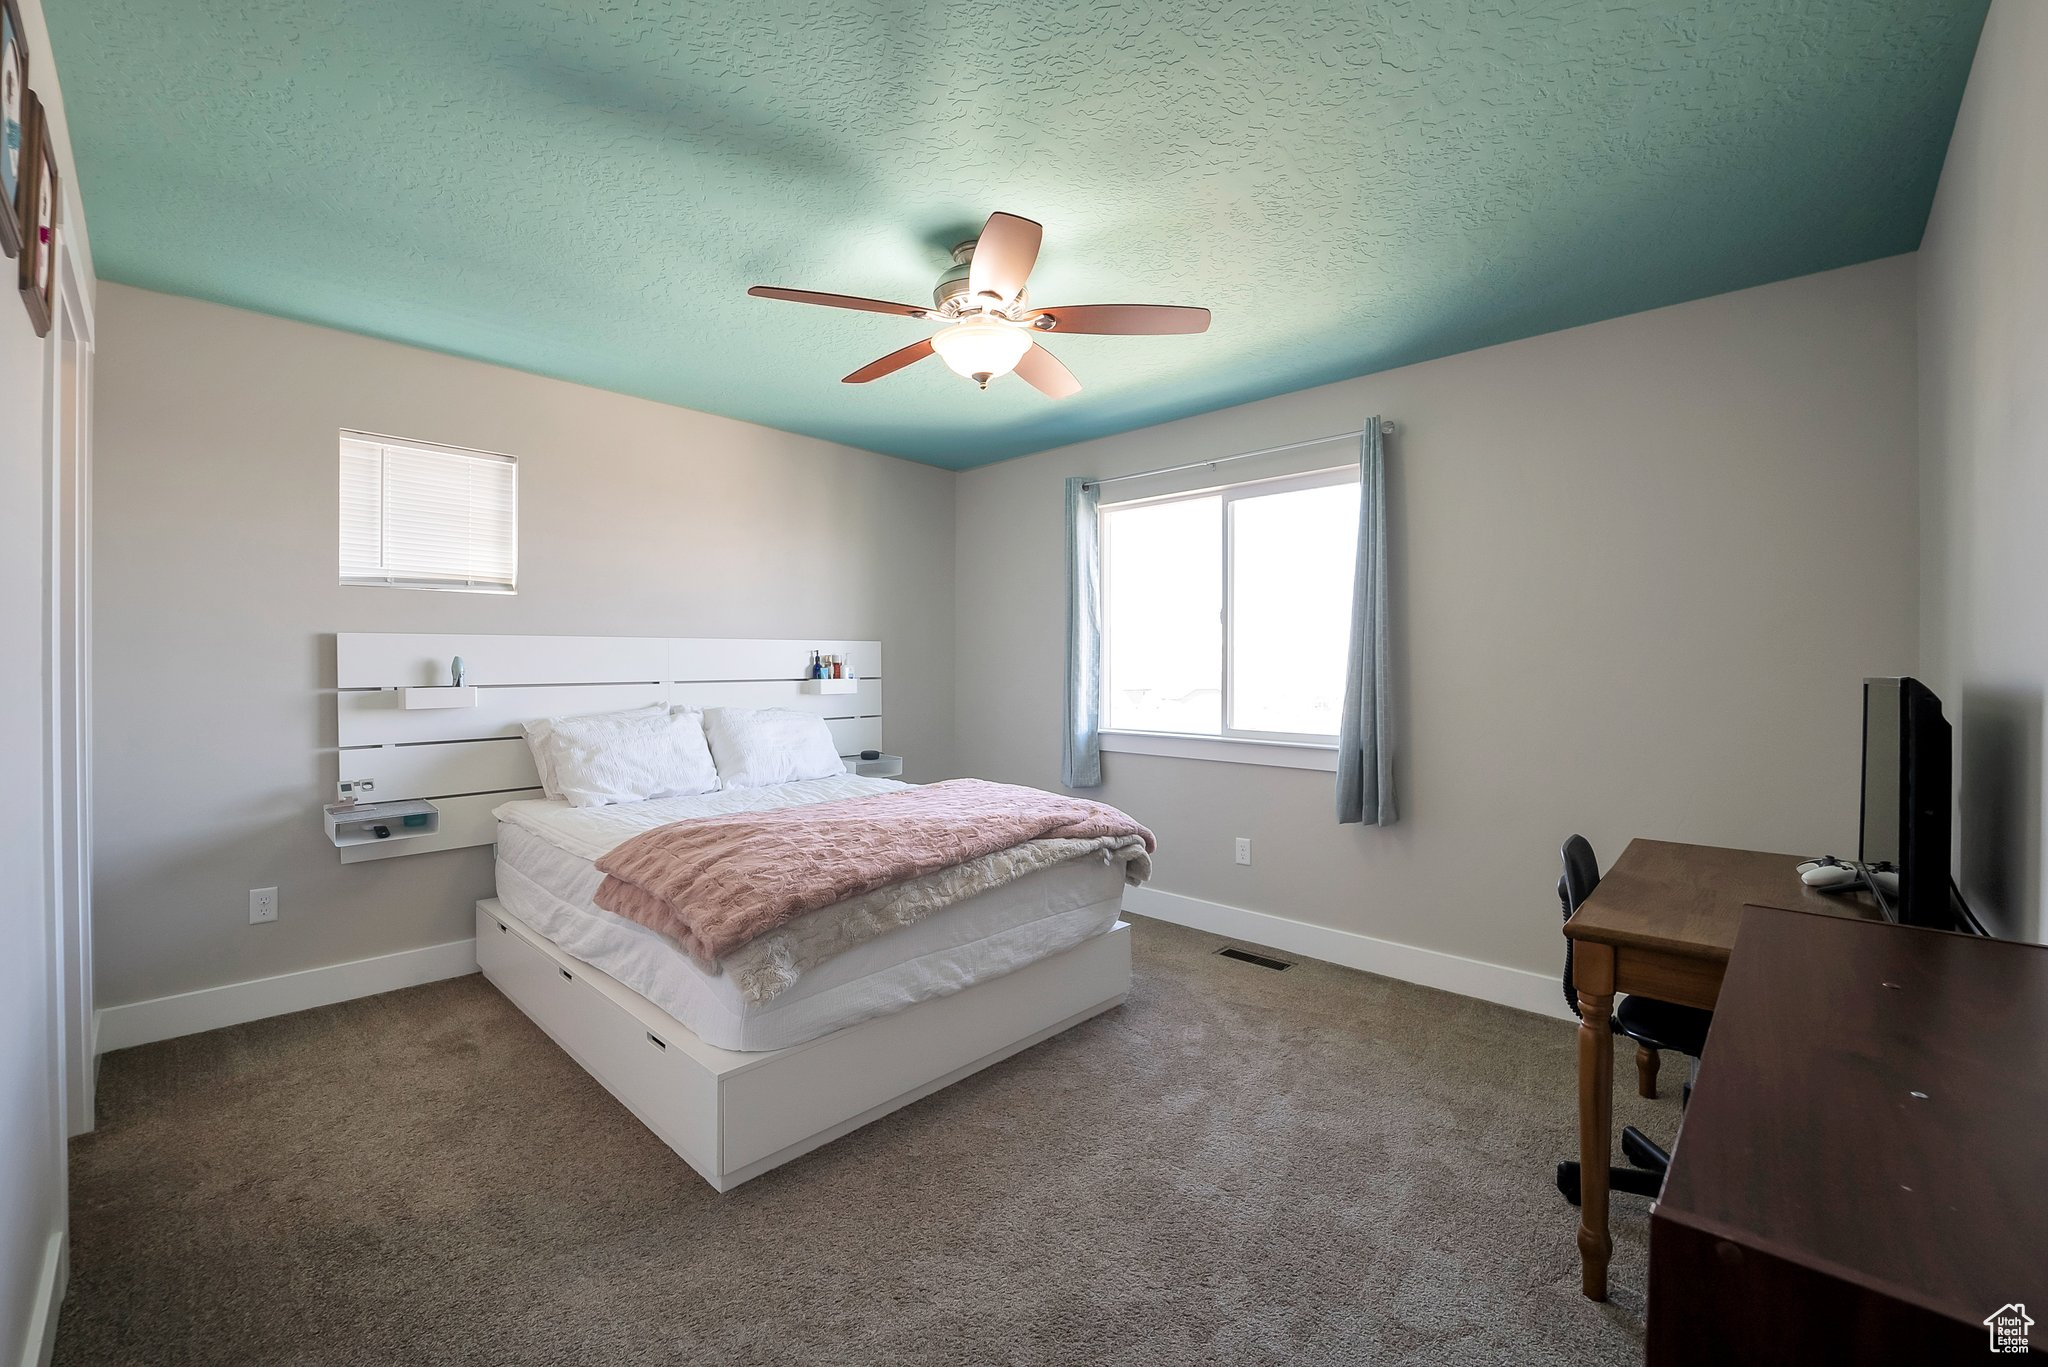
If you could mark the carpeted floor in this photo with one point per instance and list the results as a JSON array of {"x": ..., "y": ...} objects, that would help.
[{"x": 1237, "y": 1166}]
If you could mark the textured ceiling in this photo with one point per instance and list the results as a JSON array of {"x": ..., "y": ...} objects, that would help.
[{"x": 585, "y": 189}]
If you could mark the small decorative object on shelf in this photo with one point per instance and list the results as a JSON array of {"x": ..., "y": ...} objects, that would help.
[
  {"x": 823, "y": 666},
  {"x": 457, "y": 670}
]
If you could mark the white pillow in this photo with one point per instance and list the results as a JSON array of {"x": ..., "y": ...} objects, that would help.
[
  {"x": 597, "y": 765},
  {"x": 758, "y": 746},
  {"x": 540, "y": 735}
]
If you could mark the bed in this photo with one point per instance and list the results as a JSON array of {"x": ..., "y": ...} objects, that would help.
[
  {"x": 737, "y": 1086},
  {"x": 736, "y": 1079},
  {"x": 547, "y": 880}
]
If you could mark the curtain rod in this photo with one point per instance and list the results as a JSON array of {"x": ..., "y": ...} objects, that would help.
[{"x": 1386, "y": 429}]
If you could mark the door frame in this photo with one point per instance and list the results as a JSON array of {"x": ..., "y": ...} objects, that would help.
[{"x": 67, "y": 690}]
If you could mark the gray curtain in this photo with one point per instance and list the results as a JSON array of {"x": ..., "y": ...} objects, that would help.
[
  {"x": 1081, "y": 754},
  {"x": 1365, "y": 742}
]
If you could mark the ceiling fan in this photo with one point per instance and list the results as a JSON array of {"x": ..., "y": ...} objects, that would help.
[{"x": 990, "y": 320}]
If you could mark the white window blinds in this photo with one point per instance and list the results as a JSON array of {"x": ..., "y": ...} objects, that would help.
[{"x": 428, "y": 517}]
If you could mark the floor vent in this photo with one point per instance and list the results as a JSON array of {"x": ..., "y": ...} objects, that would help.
[{"x": 1246, "y": 956}]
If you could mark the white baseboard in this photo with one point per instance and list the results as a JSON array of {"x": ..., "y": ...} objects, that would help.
[
  {"x": 40, "y": 1342},
  {"x": 1516, "y": 987},
  {"x": 188, "y": 1013}
]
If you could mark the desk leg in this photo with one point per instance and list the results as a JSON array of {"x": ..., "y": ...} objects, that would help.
[{"x": 1593, "y": 976}]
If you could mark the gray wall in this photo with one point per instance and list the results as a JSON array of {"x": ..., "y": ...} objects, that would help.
[
  {"x": 1642, "y": 568},
  {"x": 217, "y": 602},
  {"x": 1983, "y": 270}
]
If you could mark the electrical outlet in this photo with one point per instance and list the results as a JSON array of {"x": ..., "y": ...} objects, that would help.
[
  {"x": 1244, "y": 849},
  {"x": 262, "y": 905}
]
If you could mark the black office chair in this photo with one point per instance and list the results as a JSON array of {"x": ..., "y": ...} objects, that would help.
[{"x": 1654, "y": 1025}]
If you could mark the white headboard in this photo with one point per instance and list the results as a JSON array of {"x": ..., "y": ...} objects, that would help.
[{"x": 468, "y": 760}]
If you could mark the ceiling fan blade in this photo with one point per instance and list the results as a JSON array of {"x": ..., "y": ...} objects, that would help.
[
  {"x": 838, "y": 301},
  {"x": 893, "y": 362},
  {"x": 1127, "y": 320},
  {"x": 1003, "y": 256},
  {"x": 1042, "y": 371}
]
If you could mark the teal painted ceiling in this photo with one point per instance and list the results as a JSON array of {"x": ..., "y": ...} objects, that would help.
[{"x": 585, "y": 188}]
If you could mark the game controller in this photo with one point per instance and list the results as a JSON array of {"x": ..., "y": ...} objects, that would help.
[{"x": 1827, "y": 872}]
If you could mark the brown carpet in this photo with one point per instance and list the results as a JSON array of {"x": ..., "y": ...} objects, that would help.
[{"x": 1237, "y": 1166}]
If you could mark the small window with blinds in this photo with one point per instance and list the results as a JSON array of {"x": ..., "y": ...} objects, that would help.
[{"x": 415, "y": 516}]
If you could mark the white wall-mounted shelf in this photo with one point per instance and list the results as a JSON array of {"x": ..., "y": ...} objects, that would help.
[
  {"x": 357, "y": 825},
  {"x": 830, "y": 685},
  {"x": 888, "y": 766},
  {"x": 418, "y": 698}
]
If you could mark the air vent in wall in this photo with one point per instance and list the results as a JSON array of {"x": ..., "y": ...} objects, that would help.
[{"x": 1246, "y": 956}]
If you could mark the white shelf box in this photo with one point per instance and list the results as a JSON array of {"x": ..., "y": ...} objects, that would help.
[
  {"x": 418, "y": 698},
  {"x": 830, "y": 685},
  {"x": 357, "y": 825},
  {"x": 888, "y": 766}
]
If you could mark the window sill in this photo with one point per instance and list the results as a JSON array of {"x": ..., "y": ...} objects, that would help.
[
  {"x": 448, "y": 587},
  {"x": 1226, "y": 749}
]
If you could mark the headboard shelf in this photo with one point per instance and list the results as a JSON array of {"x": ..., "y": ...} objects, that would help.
[
  {"x": 423, "y": 699},
  {"x": 421, "y": 659},
  {"x": 469, "y": 759}
]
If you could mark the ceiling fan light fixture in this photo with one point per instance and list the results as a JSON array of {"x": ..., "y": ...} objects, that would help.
[
  {"x": 981, "y": 348},
  {"x": 984, "y": 299}
]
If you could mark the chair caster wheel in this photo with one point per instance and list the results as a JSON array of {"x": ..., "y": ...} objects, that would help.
[{"x": 1568, "y": 1181}]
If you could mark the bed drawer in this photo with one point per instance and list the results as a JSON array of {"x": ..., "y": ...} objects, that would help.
[
  {"x": 878, "y": 1065},
  {"x": 667, "y": 1089},
  {"x": 733, "y": 1116}
]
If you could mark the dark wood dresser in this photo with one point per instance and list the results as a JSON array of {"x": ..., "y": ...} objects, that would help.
[{"x": 1862, "y": 1175}]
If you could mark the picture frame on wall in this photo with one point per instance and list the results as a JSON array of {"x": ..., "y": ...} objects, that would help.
[
  {"x": 13, "y": 123},
  {"x": 38, "y": 207}
]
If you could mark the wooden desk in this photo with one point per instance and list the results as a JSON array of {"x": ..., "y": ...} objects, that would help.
[
  {"x": 1861, "y": 1174},
  {"x": 1662, "y": 923}
]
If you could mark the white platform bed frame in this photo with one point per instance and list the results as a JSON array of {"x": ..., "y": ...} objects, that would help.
[
  {"x": 734, "y": 1116},
  {"x": 731, "y": 1116}
]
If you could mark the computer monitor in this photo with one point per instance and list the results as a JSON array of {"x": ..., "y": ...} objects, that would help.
[{"x": 1907, "y": 777}]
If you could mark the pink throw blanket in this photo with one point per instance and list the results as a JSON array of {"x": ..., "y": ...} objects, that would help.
[{"x": 719, "y": 882}]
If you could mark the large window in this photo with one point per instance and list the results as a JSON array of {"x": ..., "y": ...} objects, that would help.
[
  {"x": 428, "y": 517},
  {"x": 1227, "y": 612}
]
